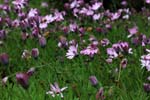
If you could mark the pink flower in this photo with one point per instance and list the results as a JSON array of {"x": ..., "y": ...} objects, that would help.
[
  {"x": 35, "y": 53},
  {"x": 96, "y": 16},
  {"x": 97, "y": 5},
  {"x": 115, "y": 16},
  {"x": 4, "y": 58},
  {"x": 58, "y": 16},
  {"x": 74, "y": 4},
  {"x": 132, "y": 31},
  {"x": 90, "y": 50},
  {"x": 22, "y": 79},
  {"x": 145, "y": 61},
  {"x": 72, "y": 52},
  {"x": 55, "y": 90},
  {"x": 32, "y": 12},
  {"x": 46, "y": 20},
  {"x": 19, "y": 3},
  {"x": 105, "y": 42},
  {"x": 147, "y": 1},
  {"x": 73, "y": 27},
  {"x": 100, "y": 94},
  {"x": 124, "y": 3},
  {"x": 89, "y": 12},
  {"x": 112, "y": 53},
  {"x": 93, "y": 80},
  {"x": 42, "y": 41}
]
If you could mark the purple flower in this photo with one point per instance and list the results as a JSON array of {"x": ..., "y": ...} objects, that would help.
[
  {"x": 33, "y": 12},
  {"x": 19, "y": 3},
  {"x": 115, "y": 16},
  {"x": 55, "y": 90},
  {"x": 97, "y": 5},
  {"x": 146, "y": 87},
  {"x": 73, "y": 27},
  {"x": 147, "y": 1},
  {"x": 4, "y": 58},
  {"x": 105, "y": 42},
  {"x": 72, "y": 51},
  {"x": 90, "y": 50},
  {"x": 22, "y": 79},
  {"x": 145, "y": 61},
  {"x": 62, "y": 42},
  {"x": 96, "y": 16},
  {"x": 35, "y": 53},
  {"x": 112, "y": 53},
  {"x": 93, "y": 80},
  {"x": 132, "y": 31},
  {"x": 42, "y": 41},
  {"x": 124, "y": 3},
  {"x": 59, "y": 16},
  {"x": 2, "y": 34},
  {"x": 24, "y": 36}
]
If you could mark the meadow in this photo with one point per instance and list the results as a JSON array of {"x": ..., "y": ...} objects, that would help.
[{"x": 76, "y": 52}]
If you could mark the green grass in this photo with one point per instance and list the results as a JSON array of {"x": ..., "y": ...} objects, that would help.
[{"x": 75, "y": 73}]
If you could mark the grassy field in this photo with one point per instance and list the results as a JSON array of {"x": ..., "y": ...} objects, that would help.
[{"x": 53, "y": 66}]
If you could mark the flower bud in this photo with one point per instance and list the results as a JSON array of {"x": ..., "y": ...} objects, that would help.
[
  {"x": 31, "y": 71},
  {"x": 100, "y": 94},
  {"x": 35, "y": 53},
  {"x": 4, "y": 58},
  {"x": 146, "y": 87},
  {"x": 42, "y": 41},
  {"x": 93, "y": 80},
  {"x": 22, "y": 79}
]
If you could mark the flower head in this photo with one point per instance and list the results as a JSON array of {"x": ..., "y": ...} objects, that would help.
[
  {"x": 22, "y": 79},
  {"x": 97, "y": 5},
  {"x": 147, "y": 1},
  {"x": 91, "y": 50},
  {"x": 72, "y": 51},
  {"x": 145, "y": 61},
  {"x": 55, "y": 90},
  {"x": 132, "y": 31}
]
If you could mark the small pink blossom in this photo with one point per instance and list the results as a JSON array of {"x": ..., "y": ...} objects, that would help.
[
  {"x": 97, "y": 5},
  {"x": 55, "y": 90},
  {"x": 91, "y": 50},
  {"x": 132, "y": 31},
  {"x": 147, "y": 1},
  {"x": 32, "y": 12},
  {"x": 115, "y": 16},
  {"x": 145, "y": 61},
  {"x": 72, "y": 52},
  {"x": 105, "y": 42},
  {"x": 96, "y": 16},
  {"x": 112, "y": 53},
  {"x": 19, "y": 3}
]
